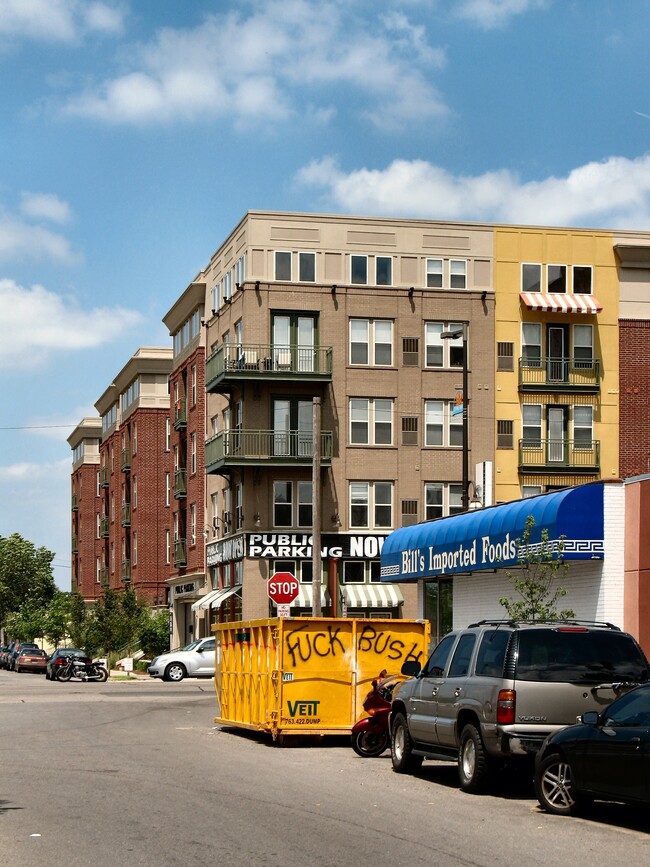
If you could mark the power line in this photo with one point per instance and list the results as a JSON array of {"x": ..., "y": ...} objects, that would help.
[{"x": 38, "y": 426}]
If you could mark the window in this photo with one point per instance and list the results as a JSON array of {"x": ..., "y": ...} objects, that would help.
[
  {"x": 492, "y": 653},
  {"x": 282, "y": 265},
  {"x": 531, "y": 278},
  {"x": 354, "y": 572},
  {"x": 359, "y": 270},
  {"x": 439, "y": 352},
  {"x": 583, "y": 346},
  {"x": 530, "y": 491},
  {"x": 227, "y": 286},
  {"x": 556, "y": 278},
  {"x": 134, "y": 493},
  {"x": 167, "y": 488},
  {"x": 532, "y": 425},
  {"x": 410, "y": 430},
  {"x": 371, "y": 421},
  {"x": 193, "y": 385},
  {"x": 434, "y": 273},
  {"x": 437, "y": 663},
  {"x": 583, "y": 419},
  {"x": 442, "y": 499},
  {"x": 168, "y": 429},
  {"x": 582, "y": 279},
  {"x": 505, "y": 356},
  {"x": 192, "y": 517},
  {"x": 505, "y": 434},
  {"x": 135, "y": 437},
  {"x": 305, "y": 504},
  {"x": 384, "y": 268},
  {"x": 134, "y": 549},
  {"x": 307, "y": 267},
  {"x": 457, "y": 274},
  {"x": 192, "y": 452},
  {"x": 462, "y": 656},
  {"x": 240, "y": 270},
  {"x": 531, "y": 344},
  {"x": 371, "y": 341},
  {"x": 441, "y": 427},
  {"x": 371, "y": 504},
  {"x": 282, "y": 504}
]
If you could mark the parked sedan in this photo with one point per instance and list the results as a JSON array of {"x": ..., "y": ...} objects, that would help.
[
  {"x": 31, "y": 659},
  {"x": 15, "y": 650},
  {"x": 605, "y": 757}
]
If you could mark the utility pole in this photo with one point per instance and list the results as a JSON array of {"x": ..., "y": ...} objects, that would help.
[{"x": 317, "y": 566}]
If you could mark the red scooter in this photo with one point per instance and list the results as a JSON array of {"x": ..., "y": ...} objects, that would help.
[{"x": 371, "y": 735}]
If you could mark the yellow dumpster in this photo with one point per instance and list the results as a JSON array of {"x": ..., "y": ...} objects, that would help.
[{"x": 307, "y": 676}]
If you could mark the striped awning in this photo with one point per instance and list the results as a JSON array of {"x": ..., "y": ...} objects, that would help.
[
  {"x": 560, "y": 302},
  {"x": 372, "y": 595},
  {"x": 305, "y": 597},
  {"x": 215, "y": 598}
]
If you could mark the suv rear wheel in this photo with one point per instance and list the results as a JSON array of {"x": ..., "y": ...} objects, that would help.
[
  {"x": 401, "y": 748},
  {"x": 473, "y": 763}
]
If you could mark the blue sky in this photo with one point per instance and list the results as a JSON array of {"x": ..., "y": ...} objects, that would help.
[{"x": 136, "y": 133}]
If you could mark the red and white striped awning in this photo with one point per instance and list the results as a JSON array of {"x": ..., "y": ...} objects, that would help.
[{"x": 560, "y": 302}]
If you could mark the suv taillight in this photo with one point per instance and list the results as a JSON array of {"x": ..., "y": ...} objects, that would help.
[{"x": 506, "y": 707}]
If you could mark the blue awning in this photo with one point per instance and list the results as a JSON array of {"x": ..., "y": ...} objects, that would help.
[{"x": 489, "y": 538}]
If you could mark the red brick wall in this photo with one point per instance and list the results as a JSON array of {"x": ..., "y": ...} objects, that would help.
[
  {"x": 84, "y": 527},
  {"x": 634, "y": 360}
]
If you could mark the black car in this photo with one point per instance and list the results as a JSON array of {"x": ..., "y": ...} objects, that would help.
[
  {"x": 15, "y": 649},
  {"x": 59, "y": 657},
  {"x": 605, "y": 757}
]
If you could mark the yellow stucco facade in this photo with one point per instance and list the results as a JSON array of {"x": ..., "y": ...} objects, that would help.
[{"x": 557, "y": 377}]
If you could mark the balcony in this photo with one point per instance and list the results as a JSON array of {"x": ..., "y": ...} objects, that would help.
[
  {"x": 104, "y": 528},
  {"x": 75, "y": 503},
  {"x": 126, "y": 514},
  {"x": 126, "y": 571},
  {"x": 126, "y": 460},
  {"x": 103, "y": 477},
  {"x": 180, "y": 414},
  {"x": 552, "y": 455},
  {"x": 180, "y": 553},
  {"x": 231, "y": 365},
  {"x": 74, "y": 547},
  {"x": 559, "y": 374},
  {"x": 103, "y": 576},
  {"x": 180, "y": 484},
  {"x": 260, "y": 448}
]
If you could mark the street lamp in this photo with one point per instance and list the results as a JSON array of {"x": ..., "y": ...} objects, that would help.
[{"x": 454, "y": 335}]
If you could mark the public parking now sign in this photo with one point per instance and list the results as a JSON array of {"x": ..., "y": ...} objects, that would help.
[{"x": 283, "y": 588}]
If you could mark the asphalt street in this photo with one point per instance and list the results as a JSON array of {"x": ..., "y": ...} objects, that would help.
[{"x": 137, "y": 773}]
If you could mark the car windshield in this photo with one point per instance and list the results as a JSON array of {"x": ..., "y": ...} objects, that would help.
[
  {"x": 557, "y": 655},
  {"x": 192, "y": 644}
]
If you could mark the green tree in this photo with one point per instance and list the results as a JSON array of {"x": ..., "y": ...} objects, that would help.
[
  {"x": 58, "y": 617},
  {"x": 541, "y": 564},
  {"x": 25, "y": 573},
  {"x": 79, "y": 622},
  {"x": 28, "y": 623},
  {"x": 154, "y": 634}
]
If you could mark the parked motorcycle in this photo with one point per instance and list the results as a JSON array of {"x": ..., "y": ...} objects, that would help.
[
  {"x": 371, "y": 735},
  {"x": 81, "y": 669}
]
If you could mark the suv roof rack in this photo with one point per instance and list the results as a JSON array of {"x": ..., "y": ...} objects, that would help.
[{"x": 545, "y": 622}]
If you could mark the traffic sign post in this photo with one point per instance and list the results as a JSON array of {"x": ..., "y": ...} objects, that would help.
[{"x": 283, "y": 588}]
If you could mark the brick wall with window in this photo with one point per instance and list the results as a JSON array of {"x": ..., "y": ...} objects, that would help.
[{"x": 634, "y": 431}]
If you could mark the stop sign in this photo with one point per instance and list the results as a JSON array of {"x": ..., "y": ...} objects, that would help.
[{"x": 283, "y": 587}]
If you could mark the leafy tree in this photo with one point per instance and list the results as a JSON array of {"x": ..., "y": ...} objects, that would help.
[
  {"x": 154, "y": 635},
  {"x": 541, "y": 564},
  {"x": 115, "y": 620},
  {"x": 58, "y": 617},
  {"x": 25, "y": 573},
  {"x": 79, "y": 622}
]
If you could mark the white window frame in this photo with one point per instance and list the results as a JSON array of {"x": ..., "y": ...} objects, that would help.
[
  {"x": 437, "y": 276},
  {"x": 193, "y": 385},
  {"x": 388, "y": 259},
  {"x": 591, "y": 279},
  {"x": 167, "y": 489},
  {"x": 530, "y": 491},
  {"x": 536, "y": 442},
  {"x": 193, "y": 453},
  {"x": 448, "y": 423},
  {"x": 455, "y": 275},
  {"x": 362, "y": 493},
  {"x": 583, "y": 329},
  {"x": 371, "y": 341},
  {"x": 526, "y": 344},
  {"x": 582, "y": 426},
  {"x": 168, "y": 546},
  {"x": 365, "y": 411},
  {"x": 538, "y": 266},
  {"x": 451, "y": 499},
  {"x": 192, "y": 522},
  {"x": 435, "y": 327},
  {"x": 566, "y": 278}
]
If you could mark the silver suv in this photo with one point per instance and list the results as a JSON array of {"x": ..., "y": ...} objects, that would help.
[
  {"x": 196, "y": 659},
  {"x": 496, "y": 689}
]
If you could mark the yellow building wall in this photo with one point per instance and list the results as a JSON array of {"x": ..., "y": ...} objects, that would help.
[{"x": 512, "y": 247}]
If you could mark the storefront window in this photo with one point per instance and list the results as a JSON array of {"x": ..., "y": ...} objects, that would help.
[{"x": 438, "y": 607}]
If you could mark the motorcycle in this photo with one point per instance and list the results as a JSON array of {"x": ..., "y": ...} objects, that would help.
[
  {"x": 371, "y": 735},
  {"x": 81, "y": 669}
]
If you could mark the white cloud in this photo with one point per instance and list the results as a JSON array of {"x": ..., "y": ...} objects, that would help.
[
  {"x": 45, "y": 206},
  {"x": 20, "y": 240},
  {"x": 38, "y": 323},
  {"x": 490, "y": 14},
  {"x": 58, "y": 20},
  {"x": 614, "y": 193},
  {"x": 266, "y": 67}
]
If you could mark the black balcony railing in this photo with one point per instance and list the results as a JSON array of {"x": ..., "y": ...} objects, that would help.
[
  {"x": 126, "y": 570},
  {"x": 180, "y": 484},
  {"x": 548, "y": 455},
  {"x": 180, "y": 553},
  {"x": 126, "y": 514},
  {"x": 126, "y": 460},
  {"x": 265, "y": 447},
  {"x": 104, "y": 528},
  {"x": 180, "y": 414},
  {"x": 559, "y": 374},
  {"x": 75, "y": 503},
  {"x": 267, "y": 362},
  {"x": 103, "y": 477}
]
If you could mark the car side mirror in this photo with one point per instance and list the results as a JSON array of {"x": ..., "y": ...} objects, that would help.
[
  {"x": 411, "y": 668},
  {"x": 590, "y": 718}
]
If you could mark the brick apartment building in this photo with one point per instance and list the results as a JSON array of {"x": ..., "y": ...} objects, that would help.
[{"x": 85, "y": 441}]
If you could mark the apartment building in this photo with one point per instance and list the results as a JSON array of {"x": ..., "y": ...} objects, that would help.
[
  {"x": 370, "y": 317},
  {"x": 186, "y": 493},
  {"x": 133, "y": 517},
  {"x": 85, "y": 576},
  {"x": 557, "y": 359}
]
